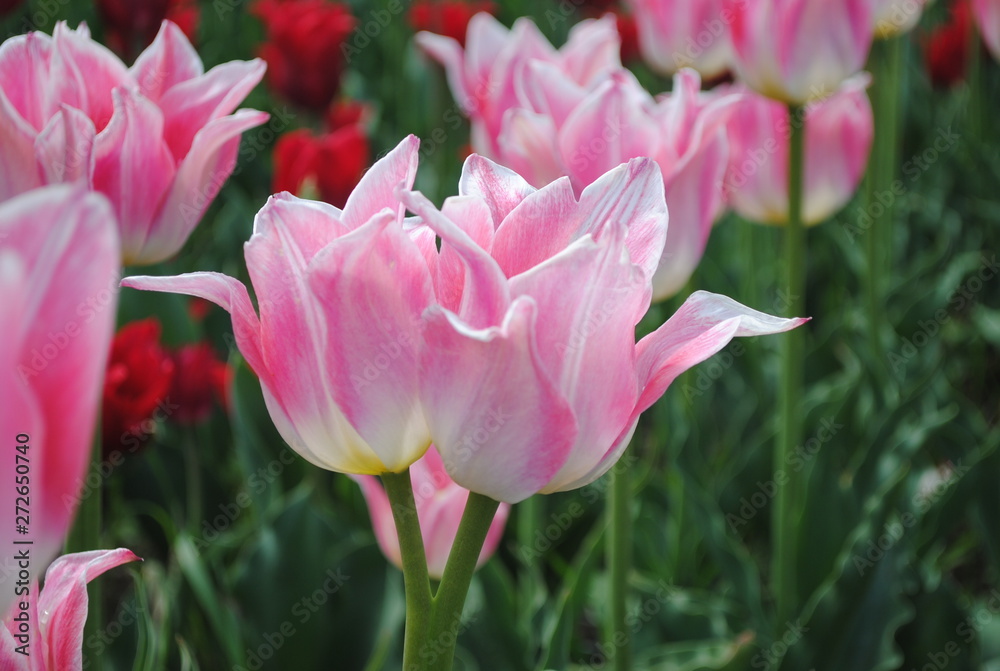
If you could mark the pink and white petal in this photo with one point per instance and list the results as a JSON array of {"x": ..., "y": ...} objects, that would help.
[
  {"x": 373, "y": 285},
  {"x": 65, "y": 149},
  {"x": 24, "y": 69},
  {"x": 501, "y": 425},
  {"x": 501, "y": 188},
  {"x": 703, "y": 325},
  {"x": 18, "y": 171},
  {"x": 62, "y": 604},
  {"x": 528, "y": 146},
  {"x": 440, "y": 517},
  {"x": 226, "y": 292},
  {"x": 10, "y": 659},
  {"x": 485, "y": 294},
  {"x": 198, "y": 180},
  {"x": 544, "y": 88},
  {"x": 592, "y": 51},
  {"x": 66, "y": 239},
  {"x": 380, "y": 512},
  {"x": 377, "y": 189},
  {"x": 134, "y": 168},
  {"x": 449, "y": 53},
  {"x": 694, "y": 199},
  {"x": 546, "y": 222},
  {"x": 168, "y": 61},
  {"x": 190, "y": 105},
  {"x": 588, "y": 340},
  {"x": 472, "y": 215},
  {"x": 82, "y": 74},
  {"x": 604, "y": 465}
]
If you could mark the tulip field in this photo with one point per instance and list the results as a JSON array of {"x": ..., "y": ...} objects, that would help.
[{"x": 495, "y": 335}]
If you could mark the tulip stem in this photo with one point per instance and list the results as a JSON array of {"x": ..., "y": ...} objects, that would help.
[
  {"x": 85, "y": 535},
  {"x": 448, "y": 603},
  {"x": 620, "y": 559},
  {"x": 788, "y": 498},
  {"x": 415, "y": 579},
  {"x": 887, "y": 58}
]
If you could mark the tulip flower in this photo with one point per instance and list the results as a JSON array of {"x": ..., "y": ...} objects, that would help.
[
  {"x": 157, "y": 139},
  {"x": 130, "y": 25},
  {"x": 328, "y": 166},
  {"x": 531, "y": 377},
  {"x": 200, "y": 380},
  {"x": 895, "y": 17},
  {"x": 484, "y": 76},
  {"x": 140, "y": 373},
  {"x": 58, "y": 267},
  {"x": 56, "y": 615},
  {"x": 946, "y": 47},
  {"x": 440, "y": 504},
  {"x": 341, "y": 294},
  {"x": 675, "y": 34},
  {"x": 839, "y": 133},
  {"x": 987, "y": 13},
  {"x": 304, "y": 48},
  {"x": 799, "y": 50}
]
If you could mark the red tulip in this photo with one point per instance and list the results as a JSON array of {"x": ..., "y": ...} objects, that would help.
[
  {"x": 946, "y": 48},
  {"x": 131, "y": 25},
  {"x": 327, "y": 166},
  {"x": 199, "y": 379},
  {"x": 138, "y": 379},
  {"x": 447, "y": 17},
  {"x": 303, "y": 49}
]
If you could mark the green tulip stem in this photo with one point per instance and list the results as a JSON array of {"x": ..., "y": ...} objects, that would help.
[
  {"x": 620, "y": 560},
  {"x": 415, "y": 580},
  {"x": 448, "y": 603},
  {"x": 788, "y": 498}
]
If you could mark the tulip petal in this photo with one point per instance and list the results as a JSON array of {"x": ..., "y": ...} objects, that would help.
[
  {"x": 190, "y": 105},
  {"x": 199, "y": 178},
  {"x": 588, "y": 343},
  {"x": 498, "y": 420},
  {"x": 81, "y": 73},
  {"x": 449, "y": 53},
  {"x": 698, "y": 330},
  {"x": 226, "y": 292},
  {"x": 380, "y": 512},
  {"x": 25, "y": 61},
  {"x": 133, "y": 167},
  {"x": 65, "y": 148},
  {"x": 377, "y": 189},
  {"x": 373, "y": 286},
  {"x": 593, "y": 49},
  {"x": 485, "y": 294},
  {"x": 168, "y": 61},
  {"x": 17, "y": 151},
  {"x": 528, "y": 145},
  {"x": 547, "y": 221},
  {"x": 501, "y": 188},
  {"x": 62, "y": 604}
]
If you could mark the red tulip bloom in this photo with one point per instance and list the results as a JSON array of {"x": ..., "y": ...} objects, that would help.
[
  {"x": 303, "y": 49},
  {"x": 131, "y": 25},
  {"x": 946, "y": 48},
  {"x": 138, "y": 379},
  {"x": 199, "y": 380},
  {"x": 447, "y": 17},
  {"x": 327, "y": 166}
]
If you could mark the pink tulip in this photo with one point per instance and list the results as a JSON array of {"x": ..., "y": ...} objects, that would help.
[
  {"x": 158, "y": 139},
  {"x": 56, "y": 615},
  {"x": 839, "y": 133},
  {"x": 440, "y": 504},
  {"x": 531, "y": 377},
  {"x": 799, "y": 50},
  {"x": 987, "y": 13},
  {"x": 59, "y": 260},
  {"x": 484, "y": 77},
  {"x": 675, "y": 34},
  {"x": 341, "y": 294},
  {"x": 895, "y": 17}
]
